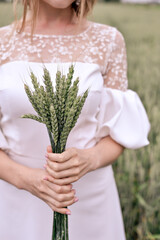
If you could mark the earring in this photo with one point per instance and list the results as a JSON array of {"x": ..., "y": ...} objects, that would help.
[{"x": 77, "y": 2}]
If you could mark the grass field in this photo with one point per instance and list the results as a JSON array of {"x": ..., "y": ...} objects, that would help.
[{"x": 137, "y": 172}]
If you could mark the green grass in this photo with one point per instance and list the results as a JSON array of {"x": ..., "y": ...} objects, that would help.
[
  {"x": 6, "y": 14},
  {"x": 137, "y": 172}
]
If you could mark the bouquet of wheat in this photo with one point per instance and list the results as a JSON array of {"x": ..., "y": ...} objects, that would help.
[{"x": 59, "y": 110}]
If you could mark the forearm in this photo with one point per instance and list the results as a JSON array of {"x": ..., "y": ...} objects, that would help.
[
  {"x": 10, "y": 171},
  {"x": 35, "y": 181},
  {"x": 105, "y": 152}
]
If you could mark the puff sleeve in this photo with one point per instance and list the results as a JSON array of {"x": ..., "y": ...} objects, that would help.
[{"x": 121, "y": 115}]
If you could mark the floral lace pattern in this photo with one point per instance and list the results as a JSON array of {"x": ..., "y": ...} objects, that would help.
[{"x": 98, "y": 44}]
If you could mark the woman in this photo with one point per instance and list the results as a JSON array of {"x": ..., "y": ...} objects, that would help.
[{"x": 56, "y": 33}]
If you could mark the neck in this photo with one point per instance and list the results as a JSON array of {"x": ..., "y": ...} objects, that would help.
[
  {"x": 54, "y": 19},
  {"x": 59, "y": 21}
]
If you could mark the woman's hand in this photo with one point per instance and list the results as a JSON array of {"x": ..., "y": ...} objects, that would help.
[
  {"x": 72, "y": 164},
  {"x": 35, "y": 181},
  {"x": 56, "y": 196},
  {"x": 69, "y": 166}
]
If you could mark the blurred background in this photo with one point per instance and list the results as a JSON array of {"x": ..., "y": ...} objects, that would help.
[{"x": 137, "y": 172}]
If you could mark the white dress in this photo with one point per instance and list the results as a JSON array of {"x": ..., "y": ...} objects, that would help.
[{"x": 99, "y": 57}]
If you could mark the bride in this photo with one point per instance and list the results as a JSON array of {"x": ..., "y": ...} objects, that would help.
[{"x": 33, "y": 180}]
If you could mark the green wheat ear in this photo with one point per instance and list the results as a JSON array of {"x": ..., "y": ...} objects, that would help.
[
  {"x": 48, "y": 85},
  {"x": 69, "y": 80},
  {"x": 33, "y": 117},
  {"x": 57, "y": 108},
  {"x": 54, "y": 123}
]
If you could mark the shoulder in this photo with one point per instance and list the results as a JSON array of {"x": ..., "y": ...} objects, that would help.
[
  {"x": 5, "y": 31},
  {"x": 6, "y": 34},
  {"x": 107, "y": 32}
]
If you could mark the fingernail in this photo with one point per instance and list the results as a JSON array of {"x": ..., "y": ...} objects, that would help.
[
  {"x": 76, "y": 199},
  {"x": 45, "y": 178},
  {"x": 45, "y": 165},
  {"x": 74, "y": 191},
  {"x": 46, "y": 155},
  {"x": 68, "y": 212}
]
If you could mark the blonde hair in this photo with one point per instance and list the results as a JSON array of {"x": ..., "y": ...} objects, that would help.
[{"x": 81, "y": 11}]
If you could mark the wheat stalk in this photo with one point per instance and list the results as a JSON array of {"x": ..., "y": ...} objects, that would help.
[{"x": 59, "y": 110}]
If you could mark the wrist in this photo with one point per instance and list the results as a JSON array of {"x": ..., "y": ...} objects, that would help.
[
  {"x": 93, "y": 158},
  {"x": 13, "y": 172},
  {"x": 23, "y": 177}
]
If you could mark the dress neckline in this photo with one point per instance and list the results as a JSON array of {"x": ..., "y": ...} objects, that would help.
[{"x": 57, "y": 35}]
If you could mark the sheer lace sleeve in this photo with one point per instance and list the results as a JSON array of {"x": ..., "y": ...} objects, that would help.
[
  {"x": 116, "y": 70},
  {"x": 5, "y": 43}
]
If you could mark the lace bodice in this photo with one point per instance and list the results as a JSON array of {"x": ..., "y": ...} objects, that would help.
[{"x": 99, "y": 44}]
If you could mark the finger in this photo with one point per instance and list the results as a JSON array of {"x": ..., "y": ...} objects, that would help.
[
  {"x": 60, "y": 210},
  {"x": 57, "y": 167},
  {"x": 66, "y": 203},
  {"x": 56, "y": 157},
  {"x": 49, "y": 149},
  {"x": 62, "y": 157},
  {"x": 58, "y": 188},
  {"x": 63, "y": 174},
  {"x": 66, "y": 181},
  {"x": 62, "y": 204},
  {"x": 65, "y": 197}
]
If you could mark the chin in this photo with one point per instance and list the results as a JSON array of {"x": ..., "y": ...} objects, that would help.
[{"x": 61, "y": 4}]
